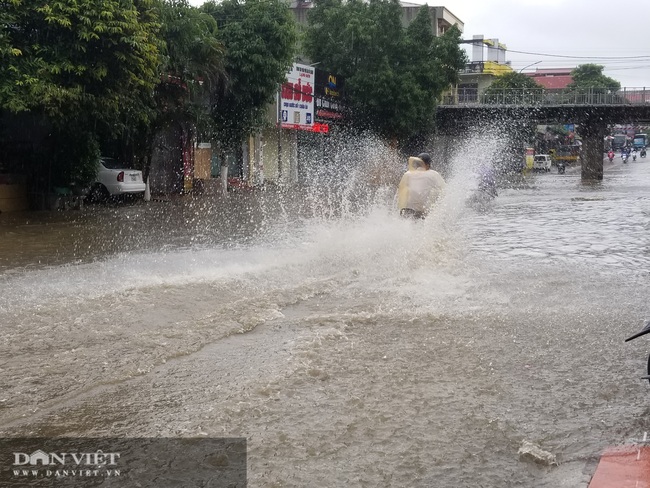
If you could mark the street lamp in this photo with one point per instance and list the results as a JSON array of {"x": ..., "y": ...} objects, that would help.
[{"x": 529, "y": 66}]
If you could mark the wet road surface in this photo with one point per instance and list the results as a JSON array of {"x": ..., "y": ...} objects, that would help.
[{"x": 351, "y": 349}]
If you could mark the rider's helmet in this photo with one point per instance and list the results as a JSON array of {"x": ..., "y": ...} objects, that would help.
[{"x": 425, "y": 157}]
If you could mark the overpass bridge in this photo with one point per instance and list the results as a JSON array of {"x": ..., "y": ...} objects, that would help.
[{"x": 591, "y": 110}]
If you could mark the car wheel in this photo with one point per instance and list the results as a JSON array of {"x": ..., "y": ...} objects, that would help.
[{"x": 99, "y": 193}]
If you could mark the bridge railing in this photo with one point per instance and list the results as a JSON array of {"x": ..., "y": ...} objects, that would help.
[{"x": 541, "y": 96}]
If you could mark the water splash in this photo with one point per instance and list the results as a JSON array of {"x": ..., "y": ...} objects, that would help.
[{"x": 341, "y": 221}]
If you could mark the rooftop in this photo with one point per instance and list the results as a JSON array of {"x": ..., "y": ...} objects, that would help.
[{"x": 550, "y": 71}]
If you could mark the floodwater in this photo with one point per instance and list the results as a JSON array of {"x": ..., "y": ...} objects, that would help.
[{"x": 351, "y": 348}]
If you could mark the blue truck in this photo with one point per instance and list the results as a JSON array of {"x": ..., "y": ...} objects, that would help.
[{"x": 640, "y": 141}]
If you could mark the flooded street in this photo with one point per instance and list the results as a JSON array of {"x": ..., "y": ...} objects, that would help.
[{"x": 350, "y": 347}]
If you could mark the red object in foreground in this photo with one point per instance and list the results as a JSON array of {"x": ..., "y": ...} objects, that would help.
[
  {"x": 238, "y": 184},
  {"x": 623, "y": 467}
]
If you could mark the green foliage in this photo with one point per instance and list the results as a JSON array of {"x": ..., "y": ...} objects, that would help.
[
  {"x": 192, "y": 65},
  {"x": 394, "y": 76},
  {"x": 73, "y": 157},
  {"x": 590, "y": 77},
  {"x": 513, "y": 87},
  {"x": 514, "y": 81},
  {"x": 192, "y": 50},
  {"x": 260, "y": 39},
  {"x": 71, "y": 58},
  {"x": 71, "y": 70}
]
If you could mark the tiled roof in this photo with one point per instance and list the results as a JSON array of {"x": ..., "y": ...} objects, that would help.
[
  {"x": 556, "y": 82},
  {"x": 551, "y": 71}
]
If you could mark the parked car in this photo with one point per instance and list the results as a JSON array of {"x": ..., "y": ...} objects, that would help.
[
  {"x": 542, "y": 162},
  {"x": 115, "y": 179}
]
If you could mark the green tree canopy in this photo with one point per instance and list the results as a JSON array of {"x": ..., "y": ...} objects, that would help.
[
  {"x": 192, "y": 65},
  {"x": 591, "y": 77},
  {"x": 514, "y": 80},
  {"x": 513, "y": 87},
  {"x": 68, "y": 70},
  {"x": 259, "y": 37},
  {"x": 77, "y": 57},
  {"x": 394, "y": 76}
]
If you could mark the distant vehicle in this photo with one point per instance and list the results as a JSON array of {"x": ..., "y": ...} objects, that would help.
[
  {"x": 640, "y": 141},
  {"x": 542, "y": 162},
  {"x": 568, "y": 154},
  {"x": 115, "y": 179},
  {"x": 619, "y": 141}
]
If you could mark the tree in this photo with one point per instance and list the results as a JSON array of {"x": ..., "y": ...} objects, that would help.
[
  {"x": 513, "y": 87},
  {"x": 394, "y": 76},
  {"x": 192, "y": 65},
  {"x": 69, "y": 58},
  {"x": 259, "y": 37},
  {"x": 590, "y": 77},
  {"x": 73, "y": 67}
]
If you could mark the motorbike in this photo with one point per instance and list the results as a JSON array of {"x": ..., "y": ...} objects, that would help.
[
  {"x": 561, "y": 167},
  {"x": 610, "y": 157},
  {"x": 634, "y": 157},
  {"x": 624, "y": 158},
  {"x": 642, "y": 154},
  {"x": 644, "y": 331},
  {"x": 485, "y": 192}
]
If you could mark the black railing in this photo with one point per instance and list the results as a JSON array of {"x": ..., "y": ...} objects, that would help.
[{"x": 540, "y": 97}]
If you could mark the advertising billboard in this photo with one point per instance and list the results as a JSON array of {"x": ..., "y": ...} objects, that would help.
[
  {"x": 330, "y": 89},
  {"x": 296, "y": 107}
]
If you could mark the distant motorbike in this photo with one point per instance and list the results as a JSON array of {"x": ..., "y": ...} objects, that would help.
[
  {"x": 633, "y": 156},
  {"x": 642, "y": 153},
  {"x": 561, "y": 167},
  {"x": 610, "y": 156},
  {"x": 624, "y": 158},
  {"x": 486, "y": 190}
]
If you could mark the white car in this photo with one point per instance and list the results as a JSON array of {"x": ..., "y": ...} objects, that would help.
[
  {"x": 115, "y": 179},
  {"x": 542, "y": 162}
]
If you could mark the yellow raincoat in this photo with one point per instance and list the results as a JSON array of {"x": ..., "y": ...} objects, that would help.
[{"x": 419, "y": 188}]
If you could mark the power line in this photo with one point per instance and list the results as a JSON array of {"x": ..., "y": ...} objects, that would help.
[
  {"x": 578, "y": 57},
  {"x": 482, "y": 41},
  {"x": 629, "y": 67}
]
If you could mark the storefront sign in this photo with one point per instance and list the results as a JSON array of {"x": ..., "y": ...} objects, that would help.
[{"x": 296, "y": 107}]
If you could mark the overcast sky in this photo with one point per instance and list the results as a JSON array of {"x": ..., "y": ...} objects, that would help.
[
  {"x": 585, "y": 29},
  {"x": 608, "y": 33}
]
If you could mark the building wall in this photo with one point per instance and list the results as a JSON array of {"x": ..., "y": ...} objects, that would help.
[
  {"x": 202, "y": 161},
  {"x": 13, "y": 196},
  {"x": 278, "y": 170}
]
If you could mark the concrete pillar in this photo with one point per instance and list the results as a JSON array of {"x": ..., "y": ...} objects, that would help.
[
  {"x": 477, "y": 49},
  {"x": 592, "y": 133}
]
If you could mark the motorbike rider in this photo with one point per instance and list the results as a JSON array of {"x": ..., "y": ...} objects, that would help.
[
  {"x": 487, "y": 182},
  {"x": 419, "y": 188},
  {"x": 642, "y": 153},
  {"x": 611, "y": 155}
]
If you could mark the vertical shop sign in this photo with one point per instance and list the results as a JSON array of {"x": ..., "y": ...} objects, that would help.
[{"x": 296, "y": 104}]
